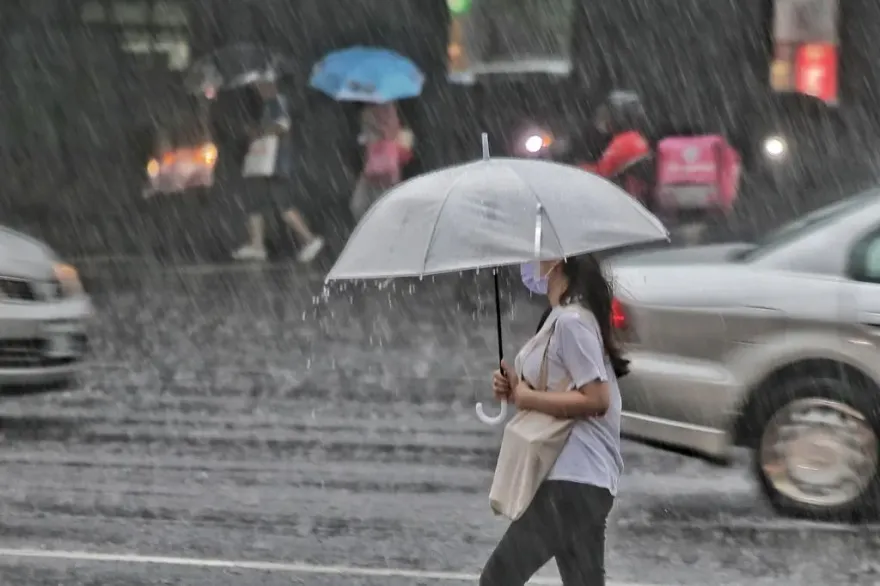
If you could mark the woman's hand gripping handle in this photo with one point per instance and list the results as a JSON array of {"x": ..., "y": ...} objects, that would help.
[{"x": 504, "y": 383}]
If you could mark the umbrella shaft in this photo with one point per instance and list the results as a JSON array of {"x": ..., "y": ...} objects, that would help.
[{"x": 498, "y": 315}]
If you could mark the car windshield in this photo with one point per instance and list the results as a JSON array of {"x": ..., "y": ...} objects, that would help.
[{"x": 801, "y": 226}]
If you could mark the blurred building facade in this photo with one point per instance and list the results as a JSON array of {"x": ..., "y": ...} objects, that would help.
[
  {"x": 97, "y": 67},
  {"x": 87, "y": 79},
  {"x": 84, "y": 78}
]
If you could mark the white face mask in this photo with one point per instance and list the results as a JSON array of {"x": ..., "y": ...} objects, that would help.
[{"x": 532, "y": 280}]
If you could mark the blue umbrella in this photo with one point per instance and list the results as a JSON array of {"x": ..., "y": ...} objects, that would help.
[{"x": 367, "y": 74}]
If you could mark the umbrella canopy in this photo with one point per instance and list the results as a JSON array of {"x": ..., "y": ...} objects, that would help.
[
  {"x": 235, "y": 66},
  {"x": 492, "y": 213},
  {"x": 367, "y": 74}
]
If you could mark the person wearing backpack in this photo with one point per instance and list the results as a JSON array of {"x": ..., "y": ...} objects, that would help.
[
  {"x": 387, "y": 148},
  {"x": 627, "y": 160}
]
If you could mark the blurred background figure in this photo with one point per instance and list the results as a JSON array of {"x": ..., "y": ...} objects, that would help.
[
  {"x": 267, "y": 166},
  {"x": 387, "y": 147},
  {"x": 376, "y": 79},
  {"x": 627, "y": 158}
]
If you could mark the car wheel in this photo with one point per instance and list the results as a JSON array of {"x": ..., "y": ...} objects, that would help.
[{"x": 817, "y": 453}]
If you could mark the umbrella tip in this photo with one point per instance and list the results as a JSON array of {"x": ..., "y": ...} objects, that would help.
[{"x": 485, "y": 137}]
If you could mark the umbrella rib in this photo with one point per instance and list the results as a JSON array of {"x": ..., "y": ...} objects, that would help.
[
  {"x": 541, "y": 203},
  {"x": 446, "y": 197}
]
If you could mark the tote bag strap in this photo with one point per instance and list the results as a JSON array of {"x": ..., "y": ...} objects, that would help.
[
  {"x": 532, "y": 344},
  {"x": 543, "y": 372}
]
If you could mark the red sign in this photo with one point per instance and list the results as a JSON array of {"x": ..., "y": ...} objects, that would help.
[{"x": 815, "y": 71}]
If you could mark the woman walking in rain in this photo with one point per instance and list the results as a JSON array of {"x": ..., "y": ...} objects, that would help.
[
  {"x": 576, "y": 356},
  {"x": 385, "y": 141}
]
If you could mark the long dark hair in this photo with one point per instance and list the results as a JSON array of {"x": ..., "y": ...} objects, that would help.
[{"x": 588, "y": 285}]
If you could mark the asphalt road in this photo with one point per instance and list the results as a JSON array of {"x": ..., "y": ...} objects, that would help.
[{"x": 241, "y": 427}]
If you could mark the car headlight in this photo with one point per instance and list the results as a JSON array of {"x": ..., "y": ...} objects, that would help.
[
  {"x": 208, "y": 154},
  {"x": 775, "y": 147},
  {"x": 534, "y": 141},
  {"x": 68, "y": 279},
  {"x": 153, "y": 168}
]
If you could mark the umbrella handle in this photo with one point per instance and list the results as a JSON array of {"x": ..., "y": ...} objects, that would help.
[{"x": 481, "y": 415}]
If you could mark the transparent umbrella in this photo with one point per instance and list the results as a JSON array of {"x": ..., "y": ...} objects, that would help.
[{"x": 488, "y": 214}]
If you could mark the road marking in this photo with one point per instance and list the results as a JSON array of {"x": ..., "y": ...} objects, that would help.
[{"x": 281, "y": 567}]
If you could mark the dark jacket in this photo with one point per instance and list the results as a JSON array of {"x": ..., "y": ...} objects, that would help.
[{"x": 275, "y": 111}]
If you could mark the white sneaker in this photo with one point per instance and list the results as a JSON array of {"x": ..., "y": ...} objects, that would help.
[
  {"x": 311, "y": 250},
  {"x": 250, "y": 252}
]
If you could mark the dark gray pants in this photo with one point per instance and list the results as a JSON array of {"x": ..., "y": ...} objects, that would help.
[
  {"x": 268, "y": 195},
  {"x": 566, "y": 521}
]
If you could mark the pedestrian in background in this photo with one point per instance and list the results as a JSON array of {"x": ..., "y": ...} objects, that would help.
[
  {"x": 267, "y": 170},
  {"x": 387, "y": 147}
]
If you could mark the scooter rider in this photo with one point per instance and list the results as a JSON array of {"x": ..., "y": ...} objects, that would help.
[{"x": 627, "y": 160}]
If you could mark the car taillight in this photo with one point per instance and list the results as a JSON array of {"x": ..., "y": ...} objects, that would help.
[
  {"x": 208, "y": 154},
  {"x": 618, "y": 315}
]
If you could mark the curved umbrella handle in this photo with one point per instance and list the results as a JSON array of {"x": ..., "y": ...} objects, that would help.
[{"x": 481, "y": 415}]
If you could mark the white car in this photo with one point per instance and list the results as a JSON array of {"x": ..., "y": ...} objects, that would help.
[{"x": 43, "y": 316}]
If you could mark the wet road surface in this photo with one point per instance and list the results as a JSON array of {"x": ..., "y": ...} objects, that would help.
[{"x": 246, "y": 430}]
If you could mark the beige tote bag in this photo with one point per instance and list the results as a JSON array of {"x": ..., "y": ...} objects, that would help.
[{"x": 530, "y": 446}]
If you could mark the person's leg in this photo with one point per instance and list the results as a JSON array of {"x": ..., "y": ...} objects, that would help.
[
  {"x": 523, "y": 549},
  {"x": 310, "y": 243},
  {"x": 366, "y": 192},
  {"x": 581, "y": 532},
  {"x": 255, "y": 249},
  {"x": 295, "y": 221},
  {"x": 360, "y": 198},
  {"x": 257, "y": 230},
  {"x": 256, "y": 194}
]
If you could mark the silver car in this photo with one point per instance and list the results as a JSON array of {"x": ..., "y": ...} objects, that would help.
[
  {"x": 774, "y": 346},
  {"x": 43, "y": 316}
]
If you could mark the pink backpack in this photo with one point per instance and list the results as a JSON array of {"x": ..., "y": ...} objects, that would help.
[
  {"x": 697, "y": 173},
  {"x": 383, "y": 161}
]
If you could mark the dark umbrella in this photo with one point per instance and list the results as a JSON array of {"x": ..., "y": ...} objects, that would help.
[{"x": 235, "y": 66}]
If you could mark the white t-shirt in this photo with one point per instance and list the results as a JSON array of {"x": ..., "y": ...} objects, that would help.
[{"x": 592, "y": 454}]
